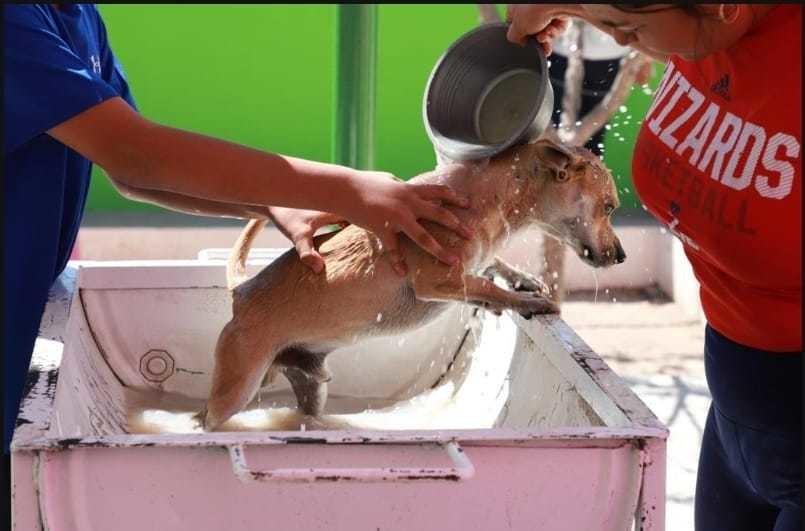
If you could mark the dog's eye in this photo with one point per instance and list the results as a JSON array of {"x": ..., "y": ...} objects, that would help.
[{"x": 609, "y": 209}]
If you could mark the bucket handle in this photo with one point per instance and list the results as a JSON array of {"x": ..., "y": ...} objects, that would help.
[{"x": 463, "y": 469}]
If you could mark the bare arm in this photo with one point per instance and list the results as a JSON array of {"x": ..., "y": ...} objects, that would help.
[
  {"x": 188, "y": 204},
  {"x": 144, "y": 155}
]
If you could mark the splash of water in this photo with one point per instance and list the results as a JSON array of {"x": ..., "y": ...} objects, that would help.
[
  {"x": 595, "y": 278},
  {"x": 506, "y": 225}
]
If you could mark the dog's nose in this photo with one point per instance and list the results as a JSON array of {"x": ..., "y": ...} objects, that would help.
[{"x": 620, "y": 255}]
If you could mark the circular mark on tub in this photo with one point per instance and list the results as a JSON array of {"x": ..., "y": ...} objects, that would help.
[{"x": 157, "y": 365}]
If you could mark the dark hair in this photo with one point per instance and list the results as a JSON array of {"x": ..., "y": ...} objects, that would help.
[{"x": 690, "y": 8}]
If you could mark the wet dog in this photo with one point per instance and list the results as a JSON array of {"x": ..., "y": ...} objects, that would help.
[{"x": 287, "y": 318}]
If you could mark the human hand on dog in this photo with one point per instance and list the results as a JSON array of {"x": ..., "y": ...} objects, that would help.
[
  {"x": 300, "y": 226},
  {"x": 387, "y": 206}
]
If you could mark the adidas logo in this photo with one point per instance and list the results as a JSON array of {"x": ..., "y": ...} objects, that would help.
[{"x": 722, "y": 87}]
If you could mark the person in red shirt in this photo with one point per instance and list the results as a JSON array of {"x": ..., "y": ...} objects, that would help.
[{"x": 718, "y": 160}]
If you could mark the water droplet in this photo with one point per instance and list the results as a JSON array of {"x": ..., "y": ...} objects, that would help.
[
  {"x": 622, "y": 108},
  {"x": 379, "y": 317}
]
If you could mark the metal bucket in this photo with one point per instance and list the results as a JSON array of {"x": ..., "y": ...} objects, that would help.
[{"x": 486, "y": 94}]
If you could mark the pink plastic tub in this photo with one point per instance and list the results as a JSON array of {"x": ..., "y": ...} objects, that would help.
[{"x": 472, "y": 422}]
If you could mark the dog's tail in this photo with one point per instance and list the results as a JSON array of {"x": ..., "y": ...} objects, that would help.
[{"x": 236, "y": 265}]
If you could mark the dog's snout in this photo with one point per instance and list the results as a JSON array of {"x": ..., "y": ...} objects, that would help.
[{"x": 620, "y": 254}]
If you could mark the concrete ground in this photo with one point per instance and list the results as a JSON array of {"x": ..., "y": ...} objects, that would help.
[{"x": 647, "y": 341}]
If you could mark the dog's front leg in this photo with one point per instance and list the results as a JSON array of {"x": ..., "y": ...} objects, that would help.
[
  {"x": 516, "y": 279},
  {"x": 482, "y": 292}
]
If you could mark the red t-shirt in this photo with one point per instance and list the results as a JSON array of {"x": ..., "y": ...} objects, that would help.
[{"x": 718, "y": 160}]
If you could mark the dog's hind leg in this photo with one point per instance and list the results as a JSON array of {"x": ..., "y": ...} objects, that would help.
[
  {"x": 311, "y": 395},
  {"x": 307, "y": 371},
  {"x": 240, "y": 365}
]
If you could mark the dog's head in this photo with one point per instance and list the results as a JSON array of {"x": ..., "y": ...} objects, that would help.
[{"x": 577, "y": 195}]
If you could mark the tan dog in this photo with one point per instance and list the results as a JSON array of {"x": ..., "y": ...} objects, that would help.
[{"x": 287, "y": 318}]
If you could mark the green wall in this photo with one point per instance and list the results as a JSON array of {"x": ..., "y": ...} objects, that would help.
[{"x": 263, "y": 75}]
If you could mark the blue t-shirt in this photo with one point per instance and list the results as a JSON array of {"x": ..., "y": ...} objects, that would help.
[{"x": 58, "y": 63}]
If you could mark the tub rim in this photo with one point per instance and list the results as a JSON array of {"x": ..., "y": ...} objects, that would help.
[{"x": 578, "y": 363}]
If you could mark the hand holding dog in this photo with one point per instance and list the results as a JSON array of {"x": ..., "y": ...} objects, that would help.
[
  {"x": 386, "y": 206},
  {"x": 300, "y": 226}
]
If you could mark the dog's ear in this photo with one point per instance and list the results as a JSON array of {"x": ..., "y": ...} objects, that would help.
[{"x": 554, "y": 156}]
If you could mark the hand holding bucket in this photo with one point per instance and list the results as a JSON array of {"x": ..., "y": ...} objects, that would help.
[{"x": 486, "y": 94}]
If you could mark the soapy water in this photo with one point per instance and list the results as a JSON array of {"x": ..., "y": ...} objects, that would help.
[
  {"x": 275, "y": 410},
  {"x": 506, "y": 226}
]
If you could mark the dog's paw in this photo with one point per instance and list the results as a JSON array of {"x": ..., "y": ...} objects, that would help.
[
  {"x": 537, "y": 305},
  {"x": 531, "y": 284}
]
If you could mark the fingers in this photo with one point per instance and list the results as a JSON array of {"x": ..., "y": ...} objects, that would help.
[
  {"x": 325, "y": 219},
  {"x": 421, "y": 237},
  {"x": 537, "y": 21},
  {"x": 390, "y": 243},
  {"x": 516, "y": 34},
  {"x": 444, "y": 217},
  {"x": 441, "y": 192},
  {"x": 307, "y": 253}
]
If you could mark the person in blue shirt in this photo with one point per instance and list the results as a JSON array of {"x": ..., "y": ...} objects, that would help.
[{"x": 68, "y": 105}]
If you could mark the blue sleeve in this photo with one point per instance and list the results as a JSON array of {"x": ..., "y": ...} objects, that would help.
[
  {"x": 110, "y": 64},
  {"x": 45, "y": 82}
]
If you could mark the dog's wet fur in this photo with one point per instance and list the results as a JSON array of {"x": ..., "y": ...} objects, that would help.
[{"x": 287, "y": 318}]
